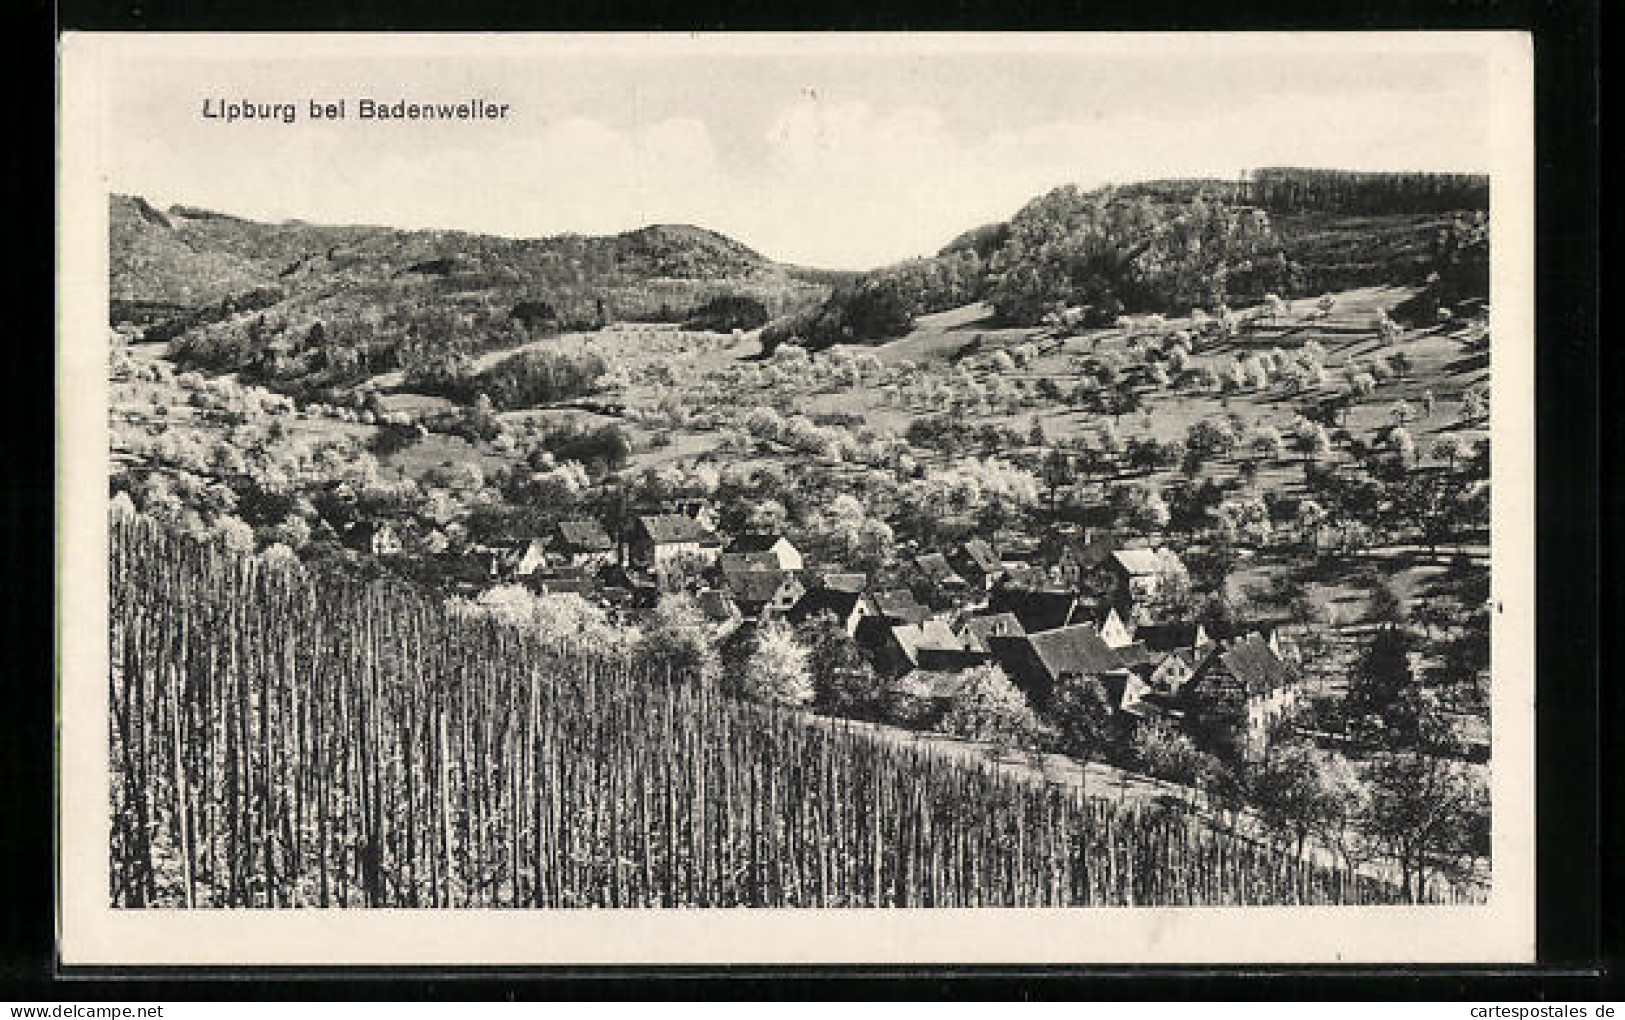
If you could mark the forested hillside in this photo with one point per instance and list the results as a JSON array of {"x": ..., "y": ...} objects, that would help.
[
  {"x": 1170, "y": 245},
  {"x": 306, "y": 306}
]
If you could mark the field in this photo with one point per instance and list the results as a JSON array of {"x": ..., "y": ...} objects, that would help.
[{"x": 276, "y": 742}]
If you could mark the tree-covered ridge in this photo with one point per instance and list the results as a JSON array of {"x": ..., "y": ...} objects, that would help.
[
  {"x": 1164, "y": 245},
  {"x": 1111, "y": 254},
  {"x": 306, "y": 307},
  {"x": 1347, "y": 192}
]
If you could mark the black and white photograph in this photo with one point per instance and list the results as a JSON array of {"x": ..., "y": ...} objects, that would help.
[{"x": 625, "y": 491}]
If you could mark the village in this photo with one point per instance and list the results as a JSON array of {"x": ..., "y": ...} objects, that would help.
[{"x": 1106, "y": 614}]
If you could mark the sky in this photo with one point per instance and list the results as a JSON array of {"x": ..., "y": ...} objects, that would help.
[{"x": 837, "y": 151}]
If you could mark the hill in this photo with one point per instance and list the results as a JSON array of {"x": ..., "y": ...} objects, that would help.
[
  {"x": 306, "y": 306},
  {"x": 1167, "y": 246}
]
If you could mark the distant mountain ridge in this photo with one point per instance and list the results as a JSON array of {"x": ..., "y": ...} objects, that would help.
[{"x": 186, "y": 257}]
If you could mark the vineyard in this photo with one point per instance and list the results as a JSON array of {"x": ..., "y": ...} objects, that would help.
[{"x": 278, "y": 742}]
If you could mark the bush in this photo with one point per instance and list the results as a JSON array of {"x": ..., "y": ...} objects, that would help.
[{"x": 727, "y": 312}]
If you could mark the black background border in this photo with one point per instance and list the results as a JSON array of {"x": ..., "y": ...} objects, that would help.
[{"x": 1579, "y": 909}]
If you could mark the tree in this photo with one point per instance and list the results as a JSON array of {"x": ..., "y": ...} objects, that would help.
[
  {"x": 1209, "y": 437},
  {"x": 844, "y": 683},
  {"x": 1080, "y": 709},
  {"x": 1245, "y": 520},
  {"x": 774, "y": 669},
  {"x": 1310, "y": 518},
  {"x": 1265, "y": 442},
  {"x": 1164, "y": 752},
  {"x": 1301, "y": 792},
  {"x": 985, "y": 705},
  {"x": 1404, "y": 446},
  {"x": 1425, "y": 811},
  {"x": 1058, "y": 472},
  {"x": 677, "y": 639},
  {"x": 1381, "y": 675},
  {"x": 1385, "y": 606},
  {"x": 1344, "y": 804},
  {"x": 1140, "y": 506},
  {"x": 1451, "y": 449}
]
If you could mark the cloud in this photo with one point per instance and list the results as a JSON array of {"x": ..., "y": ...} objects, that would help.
[{"x": 840, "y": 175}]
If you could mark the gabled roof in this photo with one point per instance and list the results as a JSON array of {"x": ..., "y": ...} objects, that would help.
[
  {"x": 758, "y": 543},
  {"x": 1038, "y": 609},
  {"x": 979, "y": 552},
  {"x": 899, "y": 604},
  {"x": 758, "y": 560},
  {"x": 852, "y": 581},
  {"x": 1166, "y": 637},
  {"x": 665, "y": 529},
  {"x": 1139, "y": 561},
  {"x": 1221, "y": 630},
  {"x": 1088, "y": 553},
  {"x": 716, "y": 605},
  {"x": 932, "y": 635},
  {"x": 1252, "y": 664},
  {"x": 937, "y": 569},
  {"x": 1023, "y": 575},
  {"x": 756, "y": 585},
  {"x": 1137, "y": 654},
  {"x": 1067, "y": 650},
  {"x": 1171, "y": 563},
  {"x": 1077, "y": 649},
  {"x": 513, "y": 553},
  {"x": 839, "y": 601},
  {"x": 980, "y": 628},
  {"x": 584, "y": 536}
]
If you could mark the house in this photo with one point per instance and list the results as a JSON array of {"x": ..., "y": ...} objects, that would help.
[
  {"x": 848, "y": 607},
  {"x": 628, "y": 586},
  {"x": 1267, "y": 630},
  {"x": 671, "y": 542},
  {"x": 582, "y": 544},
  {"x": 976, "y": 630},
  {"x": 699, "y": 510},
  {"x": 978, "y": 564},
  {"x": 1018, "y": 575},
  {"x": 561, "y": 582},
  {"x": 1167, "y": 672},
  {"x": 937, "y": 577},
  {"x": 1074, "y": 559},
  {"x": 1038, "y": 609},
  {"x": 1170, "y": 637},
  {"x": 785, "y": 555},
  {"x": 719, "y": 610},
  {"x": 898, "y": 606},
  {"x": 1237, "y": 695},
  {"x": 841, "y": 580},
  {"x": 931, "y": 645},
  {"x": 377, "y": 537},
  {"x": 1125, "y": 690},
  {"x": 1113, "y": 629},
  {"x": 1144, "y": 578},
  {"x": 520, "y": 559},
  {"x": 762, "y": 593},
  {"x": 1038, "y": 661},
  {"x": 484, "y": 560},
  {"x": 736, "y": 561}
]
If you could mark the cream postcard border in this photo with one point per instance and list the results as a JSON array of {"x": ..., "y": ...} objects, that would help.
[{"x": 92, "y": 933}]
